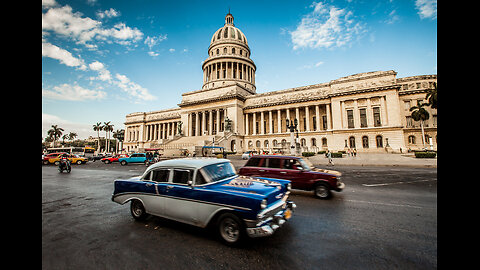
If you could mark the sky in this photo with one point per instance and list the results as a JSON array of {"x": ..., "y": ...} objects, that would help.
[{"x": 102, "y": 60}]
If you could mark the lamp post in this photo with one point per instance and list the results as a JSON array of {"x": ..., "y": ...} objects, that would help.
[{"x": 292, "y": 125}]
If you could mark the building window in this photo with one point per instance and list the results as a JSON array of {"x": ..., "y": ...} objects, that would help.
[
  {"x": 324, "y": 141},
  {"x": 314, "y": 142},
  {"x": 407, "y": 105},
  {"x": 225, "y": 33},
  {"x": 434, "y": 119},
  {"x": 376, "y": 117},
  {"x": 265, "y": 143},
  {"x": 379, "y": 140},
  {"x": 363, "y": 117},
  {"x": 303, "y": 142},
  {"x": 250, "y": 144},
  {"x": 314, "y": 123},
  {"x": 409, "y": 121},
  {"x": 264, "y": 126},
  {"x": 284, "y": 143},
  {"x": 350, "y": 119},
  {"x": 411, "y": 139},
  {"x": 304, "y": 124},
  {"x": 275, "y": 143},
  {"x": 218, "y": 51},
  {"x": 233, "y": 50},
  {"x": 365, "y": 141},
  {"x": 324, "y": 122},
  {"x": 225, "y": 50},
  {"x": 351, "y": 141},
  {"x": 258, "y": 143},
  {"x": 256, "y": 128}
]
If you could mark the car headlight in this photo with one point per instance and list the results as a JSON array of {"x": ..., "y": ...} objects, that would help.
[{"x": 263, "y": 204}]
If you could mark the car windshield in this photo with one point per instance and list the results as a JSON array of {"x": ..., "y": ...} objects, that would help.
[
  {"x": 219, "y": 171},
  {"x": 306, "y": 164}
]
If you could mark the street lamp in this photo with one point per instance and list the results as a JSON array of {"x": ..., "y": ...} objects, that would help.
[{"x": 292, "y": 126}]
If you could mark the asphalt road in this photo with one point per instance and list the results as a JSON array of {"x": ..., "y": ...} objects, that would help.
[{"x": 386, "y": 218}]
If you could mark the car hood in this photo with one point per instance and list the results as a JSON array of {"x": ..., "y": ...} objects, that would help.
[
  {"x": 252, "y": 185},
  {"x": 336, "y": 173}
]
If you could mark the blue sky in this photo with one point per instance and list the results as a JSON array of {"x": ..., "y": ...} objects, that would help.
[{"x": 104, "y": 59}]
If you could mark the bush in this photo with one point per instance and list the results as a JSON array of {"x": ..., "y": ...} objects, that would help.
[
  {"x": 337, "y": 155},
  {"x": 321, "y": 152},
  {"x": 308, "y": 154},
  {"x": 425, "y": 154}
]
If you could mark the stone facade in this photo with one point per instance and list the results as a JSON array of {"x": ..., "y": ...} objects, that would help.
[{"x": 366, "y": 111}]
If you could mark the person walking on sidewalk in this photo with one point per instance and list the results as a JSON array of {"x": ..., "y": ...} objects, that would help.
[{"x": 329, "y": 156}]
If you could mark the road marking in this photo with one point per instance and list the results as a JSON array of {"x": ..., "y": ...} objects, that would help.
[
  {"x": 387, "y": 204},
  {"x": 396, "y": 183}
]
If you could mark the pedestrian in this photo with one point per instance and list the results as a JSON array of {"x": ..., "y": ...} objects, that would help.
[
  {"x": 329, "y": 156},
  {"x": 354, "y": 152}
]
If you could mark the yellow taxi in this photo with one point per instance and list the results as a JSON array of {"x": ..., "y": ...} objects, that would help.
[{"x": 72, "y": 158}]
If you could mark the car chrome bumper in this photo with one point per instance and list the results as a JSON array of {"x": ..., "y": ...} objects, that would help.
[
  {"x": 340, "y": 186},
  {"x": 268, "y": 226}
]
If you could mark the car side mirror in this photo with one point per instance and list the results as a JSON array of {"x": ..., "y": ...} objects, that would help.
[{"x": 190, "y": 183}]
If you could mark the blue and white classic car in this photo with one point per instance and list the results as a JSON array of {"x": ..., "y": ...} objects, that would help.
[{"x": 208, "y": 192}]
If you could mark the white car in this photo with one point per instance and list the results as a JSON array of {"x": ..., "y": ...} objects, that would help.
[{"x": 248, "y": 154}]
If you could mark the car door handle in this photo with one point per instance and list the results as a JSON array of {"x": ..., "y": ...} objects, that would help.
[
  {"x": 283, "y": 172},
  {"x": 169, "y": 187},
  {"x": 148, "y": 184}
]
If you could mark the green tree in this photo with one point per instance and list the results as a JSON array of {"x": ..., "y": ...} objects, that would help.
[
  {"x": 98, "y": 127},
  {"x": 107, "y": 127},
  {"x": 72, "y": 136},
  {"x": 119, "y": 135},
  {"x": 432, "y": 96},
  {"x": 55, "y": 132},
  {"x": 420, "y": 114}
]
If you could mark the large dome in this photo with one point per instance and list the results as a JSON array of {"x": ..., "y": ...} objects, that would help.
[{"x": 228, "y": 59}]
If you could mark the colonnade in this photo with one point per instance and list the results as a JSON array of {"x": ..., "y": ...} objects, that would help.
[
  {"x": 206, "y": 122},
  {"x": 151, "y": 132},
  {"x": 228, "y": 70},
  {"x": 274, "y": 121}
]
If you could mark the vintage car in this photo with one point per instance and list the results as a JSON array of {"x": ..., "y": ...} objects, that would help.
[
  {"x": 45, "y": 159},
  {"x": 133, "y": 158},
  {"x": 300, "y": 171},
  {"x": 115, "y": 158},
  {"x": 74, "y": 159},
  {"x": 208, "y": 192}
]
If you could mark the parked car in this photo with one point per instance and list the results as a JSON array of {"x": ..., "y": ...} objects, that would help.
[
  {"x": 296, "y": 169},
  {"x": 74, "y": 159},
  {"x": 133, "y": 158},
  {"x": 208, "y": 192},
  {"x": 115, "y": 158},
  {"x": 45, "y": 159},
  {"x": 248, "y": 154}
]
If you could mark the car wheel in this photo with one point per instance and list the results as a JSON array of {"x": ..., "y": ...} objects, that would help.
[
  {"x": 56, "y": 163},
  {"x": 137, "y": 210},
  {"x": 231, "y": 229},
  {"x": 79, "y": 162},
  {"x": 45, "y": 162},
  {"x": 322, "y": 191},
  {"x": 107, "y": 161},
  {"x": 123, "y": 162}
]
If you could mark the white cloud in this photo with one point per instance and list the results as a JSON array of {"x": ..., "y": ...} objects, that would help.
[
  {"x": 64, "y": 56},
  {"x": 82, "y": 130},
  {"x": 63, "y": 21},
  {"x": 72, "y": 93},
  {"x": 427, "y": 8},
  {"x": 171, "y": 50},
  {"x": 103, "y": 73},
  {"x": 152, "y": 53},
  {"x": 133, "y": 89},
  {"x": 325, "y": 27},
  {"x": 152, "y": 41},
  {"x": 109, "y": 13}
]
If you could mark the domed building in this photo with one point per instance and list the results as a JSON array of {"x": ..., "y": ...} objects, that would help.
[{"x": 367, "y": 111}]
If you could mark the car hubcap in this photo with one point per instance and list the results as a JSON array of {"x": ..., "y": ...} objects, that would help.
[
  {"x": 321, "y": 191},
  {"x": 137, "y": 209},
  {"x": 230, "y": 230}
]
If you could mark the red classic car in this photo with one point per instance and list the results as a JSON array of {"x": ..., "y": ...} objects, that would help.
[
  {"x": 115, "y": 158},
  {"x": 302, "y": 174}
]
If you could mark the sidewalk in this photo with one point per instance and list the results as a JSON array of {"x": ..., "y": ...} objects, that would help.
[{"x": 377, "y": 159}]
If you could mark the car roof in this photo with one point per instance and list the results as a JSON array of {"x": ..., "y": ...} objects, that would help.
[
  {"x": 189, "y": 162},
  {"x": 274, "y": 156}
]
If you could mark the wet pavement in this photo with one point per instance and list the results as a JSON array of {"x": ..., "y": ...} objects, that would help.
[{"x": 386, "y": 218}]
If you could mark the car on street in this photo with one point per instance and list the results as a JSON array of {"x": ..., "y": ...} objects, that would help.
[
  {"x": 207, "y": 192},
  {"x": 134, "y": 158},
  {"x": 45, "y": 159},
  {"x": 115, "y": 158},
  {"x": 299, "y": 171},
  {"x": 248, "y": 154},
  {"x": 74, "y": 159}
]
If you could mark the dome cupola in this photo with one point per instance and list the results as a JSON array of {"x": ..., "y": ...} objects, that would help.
[{"x": 228, "y": 59}]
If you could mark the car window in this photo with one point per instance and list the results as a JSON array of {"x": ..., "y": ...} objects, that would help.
[
  {"x": 216, "y": 172},
  {"x": 288, "y": 164},
  {"x": 160, "y": 175},
  {"x": 182, "y": 176},
  {"x": 274, "y": 162},
  {"x": 200, "y": 180},
  {"x": 253, "y": 162}
]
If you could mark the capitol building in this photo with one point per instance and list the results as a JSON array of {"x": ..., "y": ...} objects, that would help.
[{"x": 369, "y": 112}]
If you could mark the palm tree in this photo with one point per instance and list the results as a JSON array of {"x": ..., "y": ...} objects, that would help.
[
  {"x": 55, "y": 132},
  {"x": 107, "y": 127},
  {"x": 65, "y": 136},
  {"x": 420, "y": 114},
  {"x": 119, "y": 135},
  {"x": 72, "y": 136},
  {"x": 98, "y": 127},
  {"x": 432, "y": 96}
]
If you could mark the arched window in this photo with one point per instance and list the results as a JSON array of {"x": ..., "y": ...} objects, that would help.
[
  {"x": 233, "y": 50},
  {"x": 411, "y": 139},
  {"x": 218, "y": 51},
  {"x": 265, "y": 143},
  {"x": 379, "y": 140},
  {"x": 284, "y": 143},
  {"x": 351, "y": 141},
  {"x": 219, "y": 34},
  {"x": 225, "y": 34},
  {"x": 324, "y": 141},
  {"x": 258, "y": 143},
  {"x": 314, "y": 142},
  {"x": 250, "y": 144},
  {"x": 225, "y": 50},
  {"x": 303, "y": 142},
  {"x": 365, "y": 141},
  {"x": 275, "y": 143}
]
